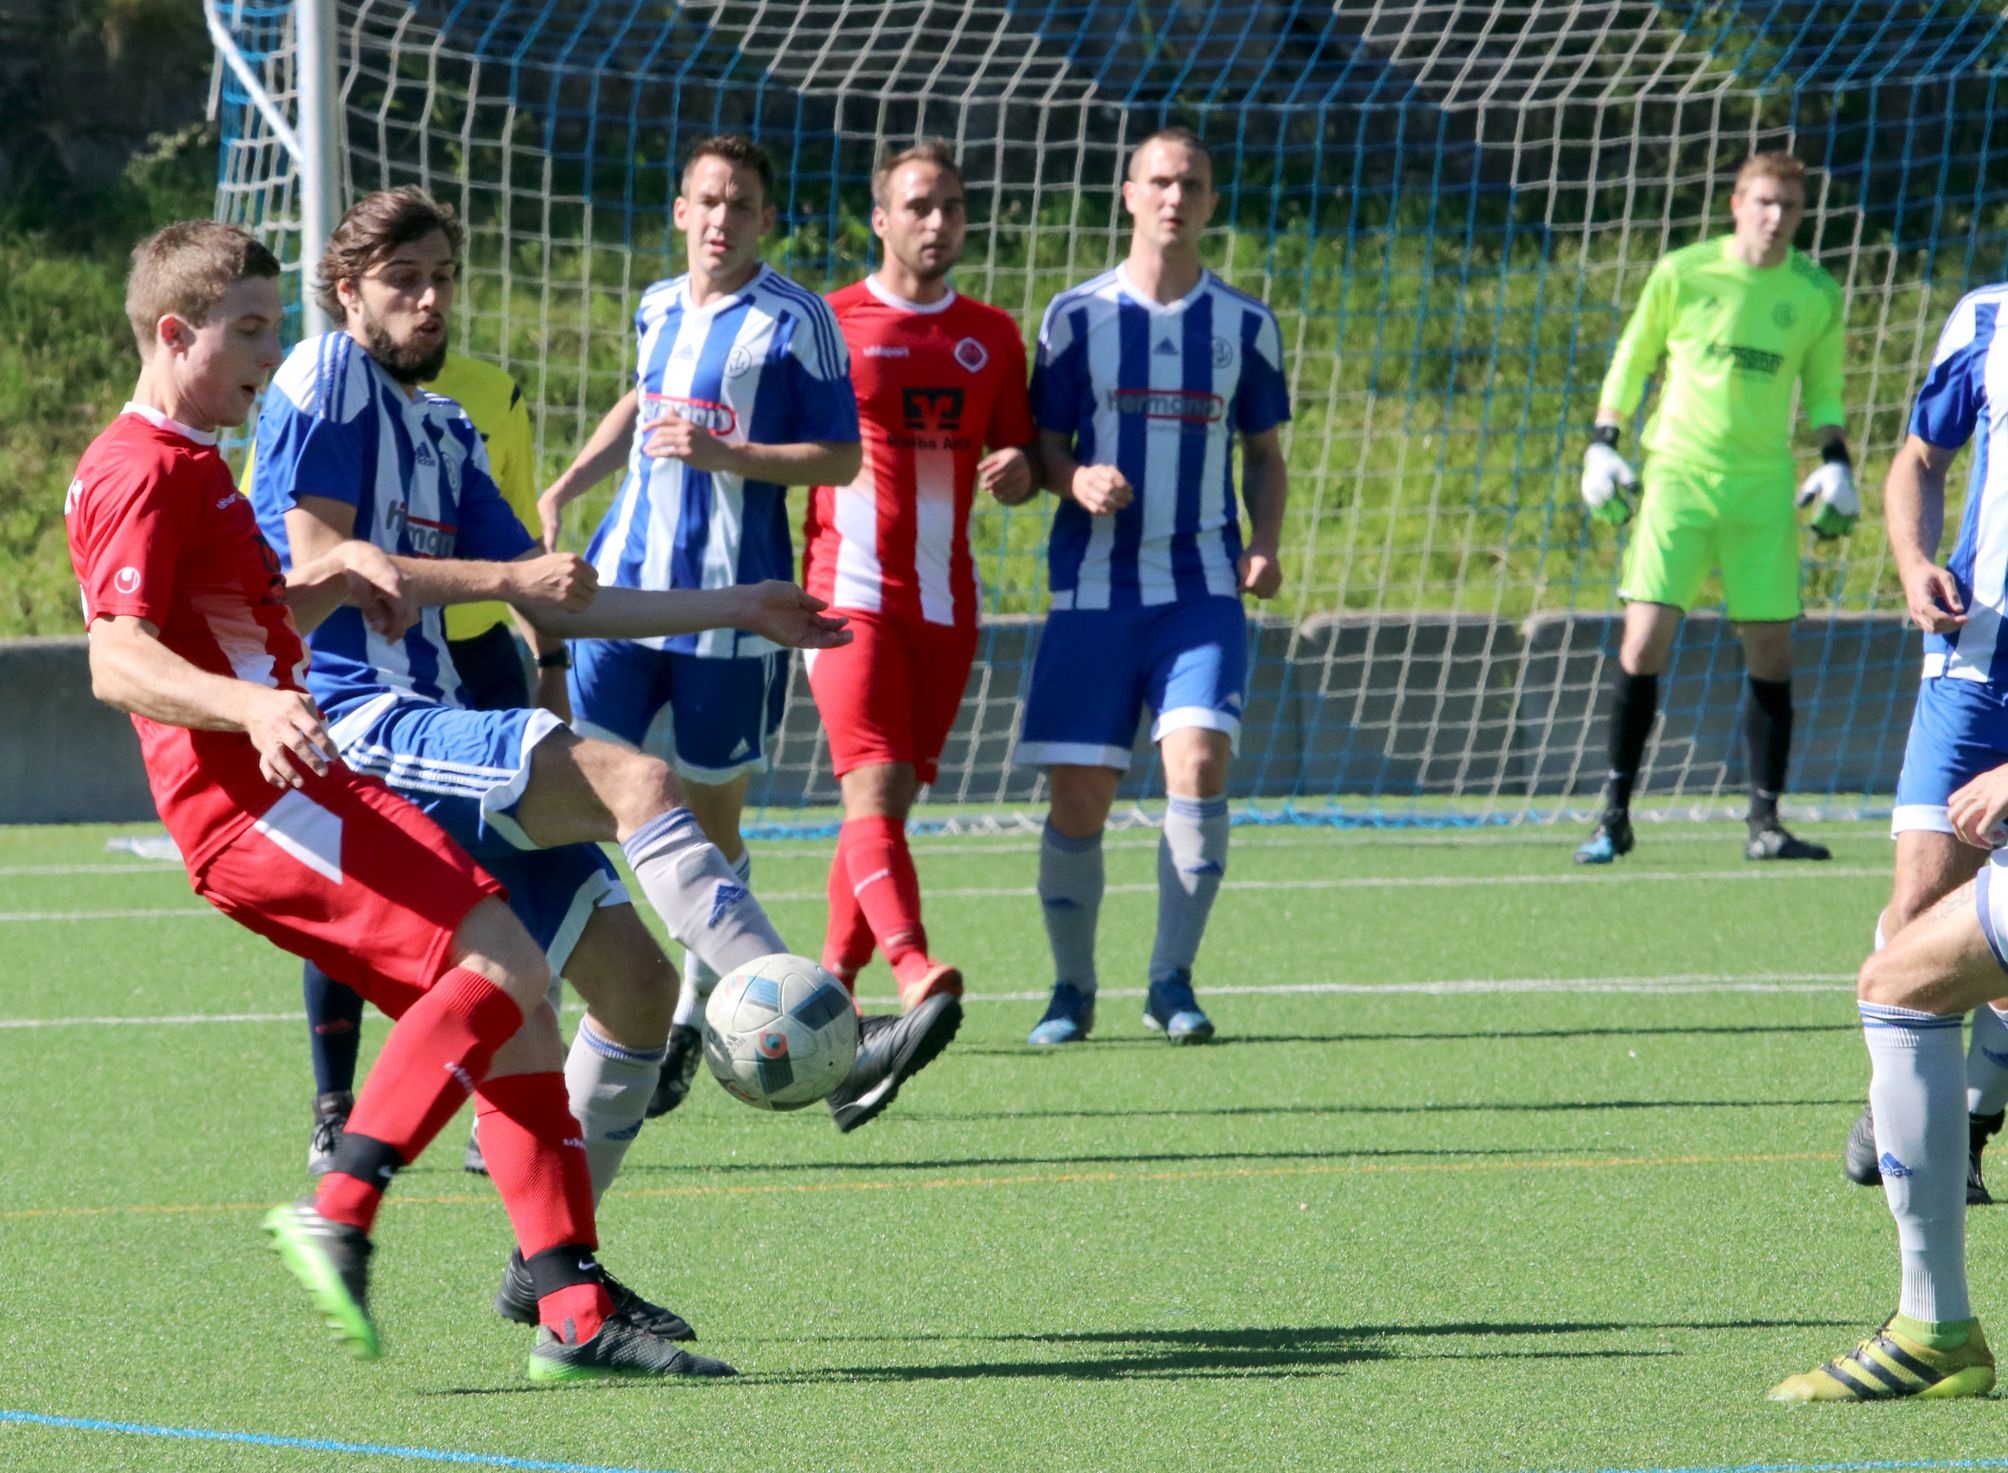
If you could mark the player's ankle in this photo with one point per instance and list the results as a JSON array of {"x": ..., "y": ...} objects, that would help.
[{"x": 1934, "y": 1334}]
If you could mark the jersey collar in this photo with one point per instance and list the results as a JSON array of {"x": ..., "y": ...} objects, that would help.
[
  {"x": 893, "y": 299},
  {"x": 173, "y": 426},
  {"x": 1144, "y": 299},
  {"x": 721, "y": 303}
]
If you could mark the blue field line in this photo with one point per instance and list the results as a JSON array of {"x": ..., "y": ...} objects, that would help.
[
  {"x": 319, "y": 1445},
  {"x": 1907, "y": 1465}
]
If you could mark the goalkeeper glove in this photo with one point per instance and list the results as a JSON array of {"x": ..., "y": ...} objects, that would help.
[
  {"x": 1608, "y": 480},
  {"x": 1833, "y": 486}
]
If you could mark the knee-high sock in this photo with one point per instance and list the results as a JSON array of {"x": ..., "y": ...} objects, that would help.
[
  {"x": 1634, "y": 704},
  {"x": 432, "y": 1059},
  {"x": 1920, "y": 1115},
  {"x": 699, "y": 976},
  {"x": 1987, "y": 1062},
  {"x": 537, "y": 1160},
  {"x": 701, "y": 898},
  {"x": 334, "y": 1029},
  {"x": 1070, "y": 894},
  {"x": 882, "y": 876},
  {"x": 847, "y": 944},
  {"x": 608, "y": 1087},
  {"x": 1191, "y": 861},
  {"x": 1767, "y": 731}
]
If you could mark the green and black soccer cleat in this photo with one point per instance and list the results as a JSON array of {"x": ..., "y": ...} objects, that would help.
[
  {"x": 621, "y": 1348},
  {"x": 332, "y": 1261}
]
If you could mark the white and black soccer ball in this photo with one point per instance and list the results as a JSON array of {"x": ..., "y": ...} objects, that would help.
[{"x": 780, "y": 1032}]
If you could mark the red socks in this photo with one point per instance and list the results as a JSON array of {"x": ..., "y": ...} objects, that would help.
[
  {"x": 536, "y": 1157},
  {"x": 847, "y": 945},
  {"x": 873, "y": 855},
  {"x": 431, "y": 1061}
]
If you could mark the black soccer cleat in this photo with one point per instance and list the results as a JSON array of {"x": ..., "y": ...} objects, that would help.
[
  {"x": 891, "y": 1050},
  {"x": 1858, "y": 1156},
  {"x": 1770, "y": 839},
  {"x": 621, "y": 1348},
  {"x": 679, "y": 1067},
  {"x": 517, "y": 1300},
  {"x": 332, "y": 1262},
  {"x": 1609, "y": 840},
  {"x": 1978, "y": 1129},
  {"x": 472, "y": 1161},
  {"x": 331, "y": 1118}
]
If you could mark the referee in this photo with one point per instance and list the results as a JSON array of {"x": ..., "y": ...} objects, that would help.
[{"x": 1742, "y": 321}]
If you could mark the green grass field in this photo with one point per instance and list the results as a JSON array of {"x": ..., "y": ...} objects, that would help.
[{"x": 1500, "y": 1167}]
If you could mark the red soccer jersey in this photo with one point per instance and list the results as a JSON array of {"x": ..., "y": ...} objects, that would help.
[
  {"x": 158, "y": 530},
  {"x": 936, "y": 386}
]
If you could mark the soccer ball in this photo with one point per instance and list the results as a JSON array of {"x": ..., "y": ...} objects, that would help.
[{"x": 780, "y": 1032}]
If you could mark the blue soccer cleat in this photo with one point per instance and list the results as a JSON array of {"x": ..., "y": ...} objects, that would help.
[
  {"x": 1611, "y": 838},
  {"x": 1069, "y": 1016},
  {"x": 1170, "y": 1008}
]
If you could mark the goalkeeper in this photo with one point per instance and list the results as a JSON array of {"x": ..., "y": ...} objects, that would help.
[{"x": 1742, "y": 320}]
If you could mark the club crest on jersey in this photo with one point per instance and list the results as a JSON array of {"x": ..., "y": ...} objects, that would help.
[
  {"x": 738, "y": 363},
  {"x": 1177, "y": 406},
  {"x": 972, "y": 355},
  {"x": 1223, "y": 353},
  {"x": 425, "y": 538},
  {"x": 706, "y": 414}
]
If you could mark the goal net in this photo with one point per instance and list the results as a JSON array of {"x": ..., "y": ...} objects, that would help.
[{"x": 1451, "y": 206}]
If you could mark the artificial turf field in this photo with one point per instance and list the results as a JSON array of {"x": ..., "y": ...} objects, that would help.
[{"x": 1500, "y": 1166}]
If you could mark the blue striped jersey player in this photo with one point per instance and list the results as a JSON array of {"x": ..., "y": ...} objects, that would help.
[
  {"x": 1146, "y": 379},
  {"x": 1959, "y": 726},
  {"x": 742, "y": 388}
]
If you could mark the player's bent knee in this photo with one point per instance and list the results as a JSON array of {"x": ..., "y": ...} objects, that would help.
[
  {"x": 491, "y": 941},
  {"x": 535, "y": 1048}
]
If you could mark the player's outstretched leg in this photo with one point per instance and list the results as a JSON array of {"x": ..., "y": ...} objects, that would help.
[
  {"x": 1913, "y": 995},
  {"x": 891, "y": 1050}
]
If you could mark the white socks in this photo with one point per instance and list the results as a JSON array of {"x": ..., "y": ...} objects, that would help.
[{"x": 1920, "y": 1111}]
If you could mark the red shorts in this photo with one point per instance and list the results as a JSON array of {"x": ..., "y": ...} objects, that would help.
[
  {"x": 348, "y": 875},
  {"x": 893, "y": 692}
]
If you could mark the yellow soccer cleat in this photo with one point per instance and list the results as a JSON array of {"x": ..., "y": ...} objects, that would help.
[{"x": 1890, "y": 1364}]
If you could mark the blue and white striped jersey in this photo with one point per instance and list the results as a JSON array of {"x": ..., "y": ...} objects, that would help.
[
  {"x": 334, "y": 424},
  {"x": 1158, "y": 392},
  {"x": 1964, "y": 390},
  {"x": 764, "y": 366}
]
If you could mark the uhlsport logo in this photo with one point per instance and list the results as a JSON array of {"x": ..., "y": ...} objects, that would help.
[
  {"x": 1177, "y": 406},
  {"x": 126, "y": 580}
]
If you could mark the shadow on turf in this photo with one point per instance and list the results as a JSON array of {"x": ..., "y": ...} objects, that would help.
[
  {"x": 1127, "y": 1158},
  {"x": 1504, "y": 1107},
  {"x": 1489, "y": 1035}
]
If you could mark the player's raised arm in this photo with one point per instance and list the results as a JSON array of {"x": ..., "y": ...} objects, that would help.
[
  {"x": 604, "y": 453},
  {"x": 777, "y": 610}
]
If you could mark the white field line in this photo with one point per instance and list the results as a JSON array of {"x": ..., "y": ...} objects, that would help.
[
  {"x": 799, "y": 851},
  {"x": 1757, "y": 874},
  {"x": 1672, "y": 983}
]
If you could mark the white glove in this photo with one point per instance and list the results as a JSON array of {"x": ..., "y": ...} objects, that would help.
[
  {"x": 1608, "y": 481},
  {"x": 1833, "y": 486}
]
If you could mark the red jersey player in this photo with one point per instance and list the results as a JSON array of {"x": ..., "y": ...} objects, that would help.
[
  {"x": 192, "y": 630},
  {"x": 938, "y": 377}
]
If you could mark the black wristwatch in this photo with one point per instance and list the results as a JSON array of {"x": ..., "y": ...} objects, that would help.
[{"x": 557, "y": 659}]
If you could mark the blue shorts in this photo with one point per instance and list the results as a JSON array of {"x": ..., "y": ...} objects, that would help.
[
  {"x": 466, "y": 770},
  {"x": 1958, "y": 730},
  {"x": 709, "y": 719},
  {"x": 1097, "y": 669}
]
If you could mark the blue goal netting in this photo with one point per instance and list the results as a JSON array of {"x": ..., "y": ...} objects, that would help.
[{"x": 1451, "y": 206}]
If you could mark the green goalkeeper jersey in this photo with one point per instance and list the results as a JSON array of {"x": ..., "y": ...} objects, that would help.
[{"x": 1737, "y": 340}]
